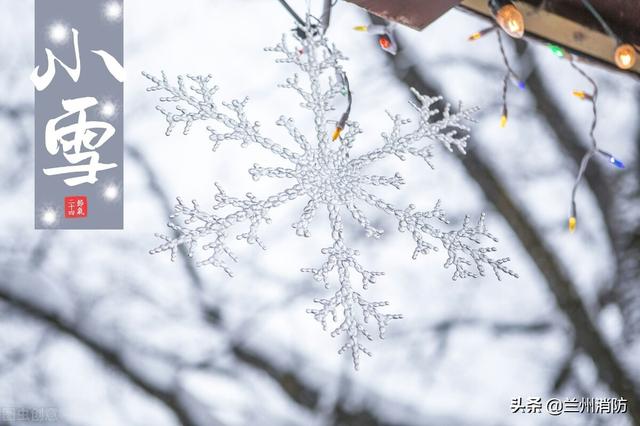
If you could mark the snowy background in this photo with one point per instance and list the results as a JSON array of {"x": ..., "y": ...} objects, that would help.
[{"x": 93, "y": 325}]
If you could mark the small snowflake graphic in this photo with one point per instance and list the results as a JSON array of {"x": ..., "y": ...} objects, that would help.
[{"x": 323, "y": 172}]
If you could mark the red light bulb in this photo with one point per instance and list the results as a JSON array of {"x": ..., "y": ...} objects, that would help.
[{"x": 384, "y": 41}]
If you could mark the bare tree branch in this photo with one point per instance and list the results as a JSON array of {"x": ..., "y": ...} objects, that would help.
[{"x": 171, "y": 400}]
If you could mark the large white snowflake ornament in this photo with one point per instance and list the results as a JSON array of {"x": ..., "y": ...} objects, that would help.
[{"x": 323, "y": 173}]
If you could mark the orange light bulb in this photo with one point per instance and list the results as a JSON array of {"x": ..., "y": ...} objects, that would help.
[
  {"x": 384, "y": 41},
  {"x": 625, "y": 56},
  {"x": 510, "y": 20}
]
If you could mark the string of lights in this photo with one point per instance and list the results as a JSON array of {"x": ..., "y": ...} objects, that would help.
[
  {"x": 511, "y": 21},
  {"x": 594, "y": 149},
  {"x": 505, "y": 85},
  {"x": 510, "y": 74}
]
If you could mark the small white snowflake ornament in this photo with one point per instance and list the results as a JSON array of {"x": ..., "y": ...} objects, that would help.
[{"x": 323, "y": 173}]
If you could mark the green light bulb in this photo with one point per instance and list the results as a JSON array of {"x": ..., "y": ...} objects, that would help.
[{"x": 556, "y": 50}]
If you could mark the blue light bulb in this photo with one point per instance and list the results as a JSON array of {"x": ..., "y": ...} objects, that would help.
[{"x": 616, "y": 162}]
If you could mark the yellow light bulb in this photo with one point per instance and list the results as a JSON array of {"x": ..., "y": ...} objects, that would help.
[
  {"x": 474, "y": 36},
  {"x": 572, "y": 224},
  {"x": 362, "y": 28},
  {"x": 510, "y": 20},
  {"x": 503, "y": 121},
  {"x": 336, "y": 133},
  {"x": 579, "y": 94},
  {"x": 625, "y": 56}
]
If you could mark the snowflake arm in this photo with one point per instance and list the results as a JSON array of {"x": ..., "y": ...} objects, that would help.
[
  {"x": 447, "y": 128},
  {"x": 463, "y": 246},
  {"x": 347, "y": 307},
  {"x": 313, "y": 57},
  {"x": 258, "y": 171},
  {"x": 196, "y": 103},
  {"x": 198, "y": 225},
  {"x": 359, "y": 217},
  {"x": 302, "y": 225},
  {"x": 396, "y": 180}
]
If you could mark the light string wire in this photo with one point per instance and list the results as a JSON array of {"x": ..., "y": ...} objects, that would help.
[
  {"x": 505, "y": 84},
  {"x": 593, "y": 98},
  {"x": 340, "y": 125},
  {"x": 510, "y": 72},
  {"x": 601, "y": 20}
]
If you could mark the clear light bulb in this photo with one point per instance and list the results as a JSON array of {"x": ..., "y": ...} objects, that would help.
[
  {"x": 510, "y": 20},
  {"x": 625, "y": 56}
]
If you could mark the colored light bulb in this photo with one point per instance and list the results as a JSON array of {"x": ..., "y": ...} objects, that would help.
[
  {"x": 572, "y": 224},
  {"x": 616, "y": 162},
  {"x": 613, "y": 160},
  {"x": 625, "y": 56},
  {"x": 384, "y": 41},
  {"x": 579, "y": 94},
  {"x": 503, "y": 121},
  {"x": 362, "y": 28},
  {"x": 336, "y": 133},
  {"x": 556, "y": 50},
  {"x": 522, "y": 85},
  {"x": 510, "y": 20},
  {"x": 474, "y": 36}
]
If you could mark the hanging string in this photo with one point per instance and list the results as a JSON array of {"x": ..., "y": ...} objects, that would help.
[
  {"x": 510, "y": 73},
  {"x": 594, "y": 149},
  {"x": 593, "y": 97}
]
